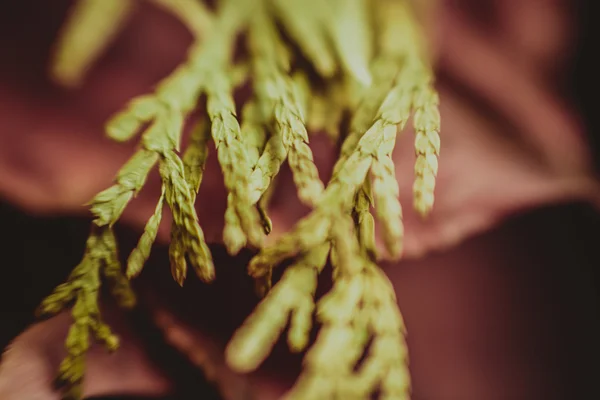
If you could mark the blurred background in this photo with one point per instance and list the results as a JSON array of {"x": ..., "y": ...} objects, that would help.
[{"x": 510, "y": 313}]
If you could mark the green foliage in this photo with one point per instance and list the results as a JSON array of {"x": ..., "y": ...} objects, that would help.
[
  {"x": 371, "y": 76},
  {"x": 81, "y": 291}
]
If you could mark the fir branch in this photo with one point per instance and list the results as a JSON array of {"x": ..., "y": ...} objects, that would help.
[
  {"x": 253, "y": 131},
  {"x": 233, "y": 159},
  {"x": 327, "y": 106},
  {"x": 392, "y": 115},
  {"x": 140, "y": 254},
  {"x": 82, "y": 289},
  {"x": 370, "y": 56},
  {"x": 194, "y": 162},
  {"x": 351, "y": 32},
  {"x": 267, "y": 167},
  {"x": 364, "y": 221},
  {"x": 90, "y": 28},
  {"x": 113, "y": 270},
  {"x": 254, "y": 134},
  {"x": 291, "y": 302},
  {"x": 195, "y": 156},
  {"x": 276, "y": 93},
  {"x": 304, "y": 22},
  {"x": 360, "y": 308},
  {"x": 109, "y": 204},
  {"x": 362, "y": 300},
  {"x": 263, "y": 204},
  {"x": 174, "y": 98},
  {"x": 181, "y": 203},
  {"x": 427, "y": 147}
]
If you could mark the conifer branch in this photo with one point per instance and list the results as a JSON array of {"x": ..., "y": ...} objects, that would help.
[{"x": 373, "y": 75}]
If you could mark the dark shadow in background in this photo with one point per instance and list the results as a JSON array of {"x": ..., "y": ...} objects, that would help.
[
  {"x": 38, "y": 253},
  {"x": 585, "y": 72}
]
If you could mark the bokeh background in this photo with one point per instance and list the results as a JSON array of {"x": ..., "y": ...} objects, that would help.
[{"x": 510, "y": 313}]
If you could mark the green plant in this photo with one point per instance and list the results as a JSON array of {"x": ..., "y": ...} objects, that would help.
[{"x": 312, "y": 65}]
